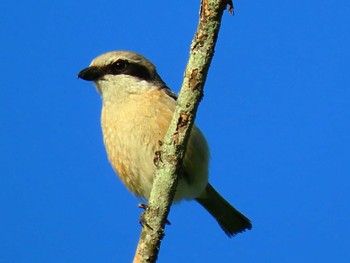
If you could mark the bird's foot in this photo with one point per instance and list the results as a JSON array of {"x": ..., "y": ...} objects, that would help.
[{"x": 142, "y": 220}]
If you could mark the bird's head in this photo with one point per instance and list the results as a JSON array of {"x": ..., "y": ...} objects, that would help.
[{"x": 121, "y": 70}]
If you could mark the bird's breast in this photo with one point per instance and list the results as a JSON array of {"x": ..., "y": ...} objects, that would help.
[{"x": 132, "y": 131}]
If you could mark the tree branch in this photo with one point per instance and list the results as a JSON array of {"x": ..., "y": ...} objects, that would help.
[{"x": 175, "y": 141}]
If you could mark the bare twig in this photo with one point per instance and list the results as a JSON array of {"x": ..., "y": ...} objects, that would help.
[{"x": 175, "y": 141}]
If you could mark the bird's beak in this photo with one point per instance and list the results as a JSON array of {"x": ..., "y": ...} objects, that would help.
[{"x": 91, "y": 73}]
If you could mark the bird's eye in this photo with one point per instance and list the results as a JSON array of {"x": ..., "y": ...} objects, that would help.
[{"x": 120, "y": 65}]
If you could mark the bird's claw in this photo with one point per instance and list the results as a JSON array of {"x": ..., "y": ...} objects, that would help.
[{"x": 142, "y": 220}]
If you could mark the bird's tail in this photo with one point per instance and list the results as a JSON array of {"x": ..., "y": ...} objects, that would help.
[{"x": 230, "y": 219}]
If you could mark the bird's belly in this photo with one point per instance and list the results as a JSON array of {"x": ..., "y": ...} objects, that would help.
[{"x": 131, "y": 151}]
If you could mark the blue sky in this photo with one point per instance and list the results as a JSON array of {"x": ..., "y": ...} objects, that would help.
[{"x": 275, "y": 112}]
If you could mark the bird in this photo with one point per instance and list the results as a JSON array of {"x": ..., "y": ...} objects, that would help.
[{"x": 137, "y": 108}]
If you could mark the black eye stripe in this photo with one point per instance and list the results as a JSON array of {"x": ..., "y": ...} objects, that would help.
[{"x": 123, "y": 67}]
